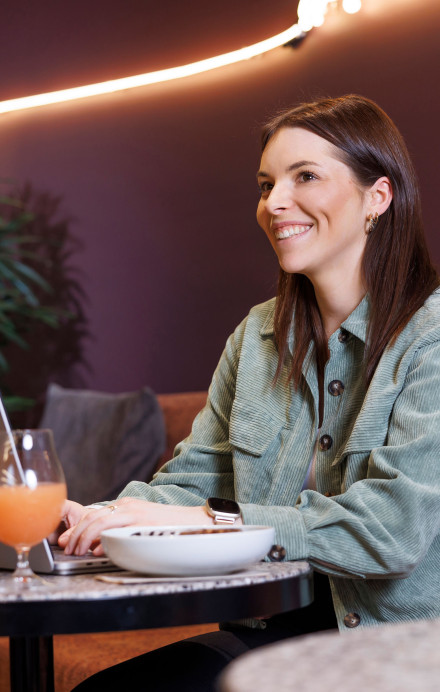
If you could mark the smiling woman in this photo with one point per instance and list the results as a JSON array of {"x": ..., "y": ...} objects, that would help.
[
  {"x": 323, "y": 417},
  {"x": 355, "y": 165}
]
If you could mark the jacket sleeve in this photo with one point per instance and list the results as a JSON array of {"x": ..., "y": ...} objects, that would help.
[
  {"x": 384, "y": 523},
  {"x": 201, "y": 466}
]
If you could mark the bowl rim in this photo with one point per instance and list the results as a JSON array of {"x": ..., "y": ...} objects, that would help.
[{"x": 123, "y": 532}]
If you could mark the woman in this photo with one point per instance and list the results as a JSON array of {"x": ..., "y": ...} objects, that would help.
[{"x": 323, "y": 416}]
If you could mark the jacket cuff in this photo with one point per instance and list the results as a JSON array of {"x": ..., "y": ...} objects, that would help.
[{"x": 290, "y": 530}]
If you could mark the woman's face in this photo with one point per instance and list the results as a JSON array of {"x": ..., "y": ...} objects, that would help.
[{"x": 311, "y": 208}]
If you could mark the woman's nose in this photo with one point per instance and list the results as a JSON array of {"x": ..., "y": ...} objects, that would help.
[{"x": 279, "y": 199}]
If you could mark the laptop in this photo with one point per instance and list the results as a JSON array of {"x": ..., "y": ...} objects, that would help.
[
  {"x": 51, "y": 559},
  {"x": 45, "y": 558}
]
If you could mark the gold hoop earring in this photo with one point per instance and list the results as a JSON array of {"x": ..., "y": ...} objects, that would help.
[{"x": 372, "y": 220}]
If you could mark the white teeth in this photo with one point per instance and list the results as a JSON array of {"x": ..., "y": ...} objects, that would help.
[{"x": 289, "y": 231}]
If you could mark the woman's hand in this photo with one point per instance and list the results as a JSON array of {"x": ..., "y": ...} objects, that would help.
[
  {"x": 85, "y": 525},
  {"x": 72, "y": 513}
]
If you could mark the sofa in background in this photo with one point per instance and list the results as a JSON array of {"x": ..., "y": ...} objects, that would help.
[
  {"x": 104, "y": 440},
  {"x": 80, "y": 655}
]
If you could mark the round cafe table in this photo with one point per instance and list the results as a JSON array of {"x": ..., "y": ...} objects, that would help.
[
  {"x": 119, "y": 601},
  {"x": 390, "y": 658}
]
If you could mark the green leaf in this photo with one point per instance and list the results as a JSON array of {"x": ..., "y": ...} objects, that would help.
[
  {"x": 11, "y": 201},
  {"x": 6, "y": 321},
  {"x": 20, "y": 285},
  {"x": 49, "y": 317},
  {"x": 31, "y": 274},
  {"x": 12, "y": 225},
  {"x": 17, "y": 403},
  {"x": 12, "y": 335},
  {"x": 8, "y": 239}
]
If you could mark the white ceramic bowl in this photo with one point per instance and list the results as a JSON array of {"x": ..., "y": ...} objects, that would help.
[{"x": 187, "y": 550}]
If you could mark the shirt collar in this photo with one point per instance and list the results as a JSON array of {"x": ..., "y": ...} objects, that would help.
[
  {"x": 356, "y": 323},
  {"x": 268, "y": 328}
]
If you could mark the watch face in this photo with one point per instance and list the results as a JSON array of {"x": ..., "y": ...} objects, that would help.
[{"x": 220, "y": 505}]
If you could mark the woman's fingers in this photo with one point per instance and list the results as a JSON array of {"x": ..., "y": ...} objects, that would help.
[
  {"x": 98, "y": 551},
  {"x": 79, "y": 538},
  {"x": 72, "y": 513},
  {"x": 63, "y": 538},
  {"x": 123, "y": 512},
  {"x": 87, "y": 532}
]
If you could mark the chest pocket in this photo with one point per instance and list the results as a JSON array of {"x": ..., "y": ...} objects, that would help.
[
  {"x": 354, "y": 456},
  {"x": 252, "y": 429},
  {"x": 368, "y": 432}
]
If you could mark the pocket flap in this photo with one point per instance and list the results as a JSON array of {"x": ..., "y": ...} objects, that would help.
[
  {"x": 362, "y": 439},
  {"x": 252, "y": 428}
]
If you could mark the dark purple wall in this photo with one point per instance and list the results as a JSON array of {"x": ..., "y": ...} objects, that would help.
[{"x": 160, "y": 180}]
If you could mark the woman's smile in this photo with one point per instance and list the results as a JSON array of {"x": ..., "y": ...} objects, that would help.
[{"x": 289, "y": 229}]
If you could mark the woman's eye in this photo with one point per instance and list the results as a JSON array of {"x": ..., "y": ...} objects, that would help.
[
  {"x": 265, "y": 187},
  {"x": 306, "y": 176}
]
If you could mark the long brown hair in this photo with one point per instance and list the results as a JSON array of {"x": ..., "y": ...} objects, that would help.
[{"x": 397, "y": 269}]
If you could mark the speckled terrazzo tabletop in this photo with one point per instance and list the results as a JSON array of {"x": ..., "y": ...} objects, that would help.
[
  {"x": 391, "y": 658},
  {"x": 125, "y": 584}
]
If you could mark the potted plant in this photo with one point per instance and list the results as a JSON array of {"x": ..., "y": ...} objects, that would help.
[{"x": 41, "y": 318}]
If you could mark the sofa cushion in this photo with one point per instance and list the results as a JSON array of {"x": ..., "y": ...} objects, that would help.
[{"x": 104, "y": 440}]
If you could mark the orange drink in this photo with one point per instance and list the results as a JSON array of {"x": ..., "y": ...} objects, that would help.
[
  {"x": 32, "y": 493},
  {"x": 27, "y": 515}
]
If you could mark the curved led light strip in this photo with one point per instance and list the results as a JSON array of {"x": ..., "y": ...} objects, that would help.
[
  {"x": 310, "y": 13},
  {"x": 151, "y": 77}
]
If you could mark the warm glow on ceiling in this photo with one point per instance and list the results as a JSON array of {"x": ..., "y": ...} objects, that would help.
[{"x": 311, "y": 13}]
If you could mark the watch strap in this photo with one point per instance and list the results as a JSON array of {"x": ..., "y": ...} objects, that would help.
[{"x": 220, "y": 518}]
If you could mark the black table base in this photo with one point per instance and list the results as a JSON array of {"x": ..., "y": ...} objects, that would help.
[{"x": 31, "y": 664}]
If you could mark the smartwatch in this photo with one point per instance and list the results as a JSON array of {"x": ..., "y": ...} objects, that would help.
[{"x": 223, "y": 511}]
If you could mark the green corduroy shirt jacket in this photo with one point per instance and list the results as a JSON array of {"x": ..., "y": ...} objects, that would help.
[{"x": 373, "y": 522}]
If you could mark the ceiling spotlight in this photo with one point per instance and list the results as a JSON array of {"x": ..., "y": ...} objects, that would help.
[{"x": 351, "y": 6}]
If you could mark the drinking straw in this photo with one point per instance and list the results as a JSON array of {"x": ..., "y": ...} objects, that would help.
[{"x": 11, "y": 440}]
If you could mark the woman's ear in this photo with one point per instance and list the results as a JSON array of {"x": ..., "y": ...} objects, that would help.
[{"x": 381, "y": 195}]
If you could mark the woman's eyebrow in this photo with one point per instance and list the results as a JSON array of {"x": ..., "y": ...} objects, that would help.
[
  {"x": 300, "y": 164},
  {"x": 292, "y": 167}
]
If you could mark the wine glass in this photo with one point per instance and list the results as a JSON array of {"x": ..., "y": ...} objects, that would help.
[{"x": 32, "y": 493}]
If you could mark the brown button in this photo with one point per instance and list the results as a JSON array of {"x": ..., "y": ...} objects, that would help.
[
  {"x": 352, "y": 620},
  {"x": 329, "y": 494},
  {"x": 325, "y": 442},
  {"x": 277, "y": 553},
  {"x": 343, "y": 336},
  {"x": 336, "y": 387}
]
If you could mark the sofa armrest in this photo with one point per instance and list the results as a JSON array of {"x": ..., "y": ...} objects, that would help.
[{"x": 179, "y": 411}]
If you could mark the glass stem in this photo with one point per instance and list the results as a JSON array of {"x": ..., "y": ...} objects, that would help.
[{"x": 23, "y": 571}]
